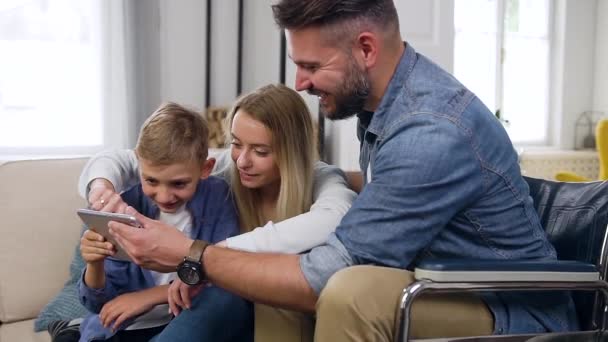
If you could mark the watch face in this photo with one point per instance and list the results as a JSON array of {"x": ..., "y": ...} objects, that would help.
[{"x": 189, "y": 273}]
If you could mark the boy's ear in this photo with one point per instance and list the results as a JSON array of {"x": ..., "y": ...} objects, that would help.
[{"x": 207, "y": 167}]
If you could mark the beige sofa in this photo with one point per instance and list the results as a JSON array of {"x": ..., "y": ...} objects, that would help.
[{"x": 40, "y": 230}]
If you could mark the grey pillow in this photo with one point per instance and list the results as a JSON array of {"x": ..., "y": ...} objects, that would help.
[{"x": 65, "y": 306}]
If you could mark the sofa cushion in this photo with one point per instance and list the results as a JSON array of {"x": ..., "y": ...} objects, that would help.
[
  {"x": 22, "y": 331},
  {"x": 38, "y": 202},
  {"x": 66, "y": 305}
]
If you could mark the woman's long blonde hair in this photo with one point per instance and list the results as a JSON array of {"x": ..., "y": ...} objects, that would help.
[{"x": 283, "y": 111}]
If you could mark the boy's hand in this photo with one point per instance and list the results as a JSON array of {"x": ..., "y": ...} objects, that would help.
[
  {"x": 180, "y": 295},
  {"x": 94, "y": 248},
  {"x": 103, "y": 197},
  {"x": 123, "y": 307}
]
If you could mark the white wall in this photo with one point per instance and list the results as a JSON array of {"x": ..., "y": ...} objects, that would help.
[
  {"x": 182, "y": 36},
  {"x": 175, "y": 32},
  {"x": 224, "y": 45},
  {"x": 143, "y": 50},
  {"x": 166, "y": 54},
  {"x": 600, "y": 96},
  {"x": 573, "y": 71},
  {"x": 262, "y": 41},
  {"x": 429, "y": 27},
  {"x": 182, "y": 45},
  {"x": 181, "y": 29}
]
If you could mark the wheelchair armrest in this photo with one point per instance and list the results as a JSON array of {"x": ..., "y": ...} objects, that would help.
[{"x": 466, "y": 270}]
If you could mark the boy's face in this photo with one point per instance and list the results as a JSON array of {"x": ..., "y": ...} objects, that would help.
[{"x": 171, "y": 186}]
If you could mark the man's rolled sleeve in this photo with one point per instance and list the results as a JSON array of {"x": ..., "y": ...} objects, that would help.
[{"x": 323, "y": 261}]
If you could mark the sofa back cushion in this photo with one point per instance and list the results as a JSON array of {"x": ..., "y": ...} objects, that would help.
[{"x": 39, "y": 229}]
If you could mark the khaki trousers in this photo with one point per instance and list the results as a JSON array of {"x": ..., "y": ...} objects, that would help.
[
  {"x": 361, "y": 303},
  {"x": 279, "y": 325}
]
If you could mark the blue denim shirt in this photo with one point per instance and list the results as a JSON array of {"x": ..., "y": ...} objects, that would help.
[
  {"x": 442, "y": 180},
  {"x": 214, "y": 219}
]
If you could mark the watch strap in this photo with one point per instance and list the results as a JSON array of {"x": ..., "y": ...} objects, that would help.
[{"x": 196, "y": 250}]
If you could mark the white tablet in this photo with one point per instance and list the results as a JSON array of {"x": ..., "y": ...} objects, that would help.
[{"x": 98, "y": 221}]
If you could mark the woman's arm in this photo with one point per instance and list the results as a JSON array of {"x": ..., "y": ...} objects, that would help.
[
  {"x": 332, "y": 198},
  {"x": 331, "y": 195},
  {"x": 121, "y": 169}
]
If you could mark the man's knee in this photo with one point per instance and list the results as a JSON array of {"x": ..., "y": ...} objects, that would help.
[
  {"x": 342, "y": 287},
  {"x": 353, "y": 285},
  {"x": 360, "y": 301}
]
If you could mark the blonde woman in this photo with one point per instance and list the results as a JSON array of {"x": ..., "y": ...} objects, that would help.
[
  {"x": 287, "y": 201},
  {"x": 272, "y": 173}
]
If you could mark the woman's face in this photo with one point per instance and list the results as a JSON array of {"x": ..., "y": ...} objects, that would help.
[{"x": 253, "y": 154}]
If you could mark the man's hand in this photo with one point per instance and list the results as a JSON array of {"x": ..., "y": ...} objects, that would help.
[
  {"x": 123, "y": 307},
  {"x": 155, "y": 246},
  {"x": 180, "y": 295},
  {"x": 102, "y": 197}
]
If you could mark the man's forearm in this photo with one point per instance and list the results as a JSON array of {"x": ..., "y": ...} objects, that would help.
[
  {"x": 273, "y": 279},
  {"x": 355, "y": 180}
]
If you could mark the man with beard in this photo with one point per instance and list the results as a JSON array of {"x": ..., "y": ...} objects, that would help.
[{"x": 441, "y": 180}]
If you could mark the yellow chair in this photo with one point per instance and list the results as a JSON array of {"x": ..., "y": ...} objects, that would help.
[{"x": 601, "y": 142}]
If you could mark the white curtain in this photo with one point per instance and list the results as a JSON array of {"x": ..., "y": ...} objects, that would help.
[
  {"x": 117, "y": 51},
  {"x": 67, "y": 77}
]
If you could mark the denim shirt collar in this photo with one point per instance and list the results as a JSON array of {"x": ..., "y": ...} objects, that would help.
[{"x": 395, "y": 86}]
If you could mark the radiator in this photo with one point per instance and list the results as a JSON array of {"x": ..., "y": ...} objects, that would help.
[{"x": 545, "y": 164}]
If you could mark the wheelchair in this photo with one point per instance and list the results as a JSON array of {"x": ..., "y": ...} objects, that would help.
[{"x": 575, "y": 218}]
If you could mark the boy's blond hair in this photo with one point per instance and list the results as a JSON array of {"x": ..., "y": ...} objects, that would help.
[{"x": 173, "y": 134}]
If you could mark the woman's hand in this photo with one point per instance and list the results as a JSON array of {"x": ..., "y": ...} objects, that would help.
[
  {"x": 123, "y": 307},
  {"x": 94, "y": 248},
  {"x": 155, "y": 246},
  {"x": 180, "y": 295},
  {"x": 103, "y": 197}
]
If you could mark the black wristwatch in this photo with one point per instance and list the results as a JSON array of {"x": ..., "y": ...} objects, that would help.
[{"x": 191, "y": 271}]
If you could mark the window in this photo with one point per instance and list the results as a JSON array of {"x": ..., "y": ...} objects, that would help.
[
  {"x": 502, "y": 53},
  {"x": 50, "y": 77}
]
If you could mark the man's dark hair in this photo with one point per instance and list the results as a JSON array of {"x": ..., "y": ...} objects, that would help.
[{"x": 297, "y": 14}]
